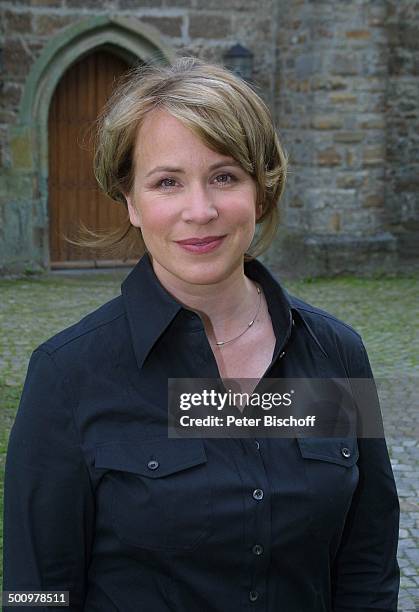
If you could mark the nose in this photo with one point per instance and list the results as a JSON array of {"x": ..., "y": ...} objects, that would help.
[{"x": 199, "y": 206}]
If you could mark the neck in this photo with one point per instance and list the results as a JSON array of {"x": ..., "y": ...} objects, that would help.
[{"x": 223, "y": 305}]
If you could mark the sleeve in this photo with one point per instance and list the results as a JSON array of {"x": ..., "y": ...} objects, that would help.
[
  {"x": 48, "y": 499},
  {"x": 365, "y": 574}
]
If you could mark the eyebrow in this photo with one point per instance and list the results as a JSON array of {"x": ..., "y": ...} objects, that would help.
[{"x": 180, "y": 170}]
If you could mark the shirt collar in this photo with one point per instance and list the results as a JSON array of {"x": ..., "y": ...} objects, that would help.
[{"x": 151, "y": 308}]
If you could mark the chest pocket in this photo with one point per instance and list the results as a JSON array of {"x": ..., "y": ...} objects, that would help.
[
  {"x": 160, "y": 492},
  {"x": 331, "y": 471}
]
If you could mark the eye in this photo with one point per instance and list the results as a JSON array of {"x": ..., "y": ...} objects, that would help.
[
  {"x": 225, "y": 179},
  {"x": 166, "y": 183}
]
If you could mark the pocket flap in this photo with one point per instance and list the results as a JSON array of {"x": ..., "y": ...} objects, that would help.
[
  {"x": 154, "y": 458},
  {"x": 343, "y": 451}
]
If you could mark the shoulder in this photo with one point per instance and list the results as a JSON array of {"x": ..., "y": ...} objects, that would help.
[
  {"x": 337, "y": 339},
  {"x": 324, "y": 325},
  {"x": 323, "y": 322},
  {"x": 76, "y": 359},
  {"x": 85, "y": 339}
]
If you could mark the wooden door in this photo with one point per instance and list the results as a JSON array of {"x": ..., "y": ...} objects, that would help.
[{"x": 73, "y": 192}]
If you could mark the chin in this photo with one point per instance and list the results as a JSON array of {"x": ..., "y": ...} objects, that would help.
[
  {"x": 200, "y": 275},
  {"x": 207, "y": 273}
]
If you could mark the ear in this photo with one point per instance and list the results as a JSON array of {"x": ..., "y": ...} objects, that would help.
[
  {"x": 259, "y": 209},
  {"x": 134, "y": 215}
]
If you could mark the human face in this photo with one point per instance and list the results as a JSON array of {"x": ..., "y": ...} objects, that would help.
[{"x": 184, "y": 191}]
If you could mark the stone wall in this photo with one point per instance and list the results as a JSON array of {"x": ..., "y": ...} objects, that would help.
[
  {"x": 332, "y": 113},
  {"x": 341, "y": 77},
  {"x": 402, "y": 153},
  {"x": 206, "y": 28}
]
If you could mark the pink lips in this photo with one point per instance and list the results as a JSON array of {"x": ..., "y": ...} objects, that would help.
[{"x": 201, "y": 245}]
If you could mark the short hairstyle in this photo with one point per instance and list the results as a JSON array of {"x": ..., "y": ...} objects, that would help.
[{"x": 219, "y": 107}]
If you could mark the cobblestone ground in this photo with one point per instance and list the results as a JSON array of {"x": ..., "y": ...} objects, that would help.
[{"x": 384, "y": 311}]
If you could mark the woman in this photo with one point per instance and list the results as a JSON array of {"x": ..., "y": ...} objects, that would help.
[{"x": 99, "y": 501}]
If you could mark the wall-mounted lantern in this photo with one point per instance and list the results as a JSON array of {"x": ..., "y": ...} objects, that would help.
[{"x": 239, "y": 60}]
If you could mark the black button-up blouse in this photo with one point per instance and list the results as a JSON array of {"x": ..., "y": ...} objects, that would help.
[{"x": 100, "y": 502}]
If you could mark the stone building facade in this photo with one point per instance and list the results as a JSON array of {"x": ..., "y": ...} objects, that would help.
[{"x": 341, "y": 78}]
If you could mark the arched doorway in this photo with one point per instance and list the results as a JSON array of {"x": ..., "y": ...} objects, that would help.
[
  {"x": 74, "y": 195},
  {"x": 126, "y": 37}
]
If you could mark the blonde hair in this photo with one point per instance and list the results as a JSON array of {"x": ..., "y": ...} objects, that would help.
[{"x": 219, "y": 107}]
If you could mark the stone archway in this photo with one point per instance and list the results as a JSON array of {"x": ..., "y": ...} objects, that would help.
[{"x": 129, "y": 38}]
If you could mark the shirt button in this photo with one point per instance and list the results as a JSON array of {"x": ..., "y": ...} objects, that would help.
[
  {"x": 346, "y": 452},
  {"x": 257, "y": 444},
  {"x": 258, "y": 494},
  {"x": 282, "y": 354},
  {"x": 253, "y": 595},
  {"x": 257, "y": 549},
  {"x": 153, "y": 465}
]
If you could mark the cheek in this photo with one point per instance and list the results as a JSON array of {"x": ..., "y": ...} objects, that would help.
[
  {"x": 245, "y": 205},
  {"x": 242, "y": 212},
  {"x": 156, "y": 217}
]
